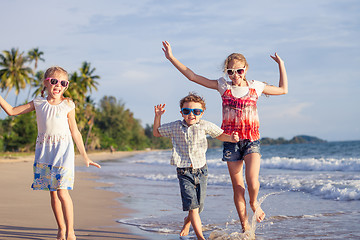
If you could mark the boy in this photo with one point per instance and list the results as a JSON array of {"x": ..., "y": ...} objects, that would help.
[{"x": 189, "y": 147}]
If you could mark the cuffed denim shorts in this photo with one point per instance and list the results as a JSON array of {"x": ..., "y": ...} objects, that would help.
[
  {"x": 193, "y": 183},
  {"x": 233, "y": 152}
]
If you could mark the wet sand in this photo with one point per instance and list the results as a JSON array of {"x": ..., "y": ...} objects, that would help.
[{"x": 27, "y": 214}]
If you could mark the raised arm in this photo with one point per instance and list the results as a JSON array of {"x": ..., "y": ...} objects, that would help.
[
  {"x": 187, "y": 72},
  {"x": 283, "y": 82},
  {"x": 159, "y": 110},
  {"x": 76, "y": 135},
  {"x": 11, "y": 111}
]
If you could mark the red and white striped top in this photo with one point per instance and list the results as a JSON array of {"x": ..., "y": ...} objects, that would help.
[{"x": 239, "y": 108}]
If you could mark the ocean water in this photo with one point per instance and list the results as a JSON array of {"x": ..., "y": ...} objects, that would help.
[{"x": 308, "y": 191}]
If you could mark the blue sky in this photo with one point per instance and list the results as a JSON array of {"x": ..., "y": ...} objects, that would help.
[{"x": 318, "y": 40}]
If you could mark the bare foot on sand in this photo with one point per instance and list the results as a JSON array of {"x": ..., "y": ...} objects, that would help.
[
  {"x": 71, "y": 236},
  {"x": 186, "y": 228},
  {"x": 260, "y": 214},
  {"x": 245, "y": 226},
  {"x": 61, "y": 235}
]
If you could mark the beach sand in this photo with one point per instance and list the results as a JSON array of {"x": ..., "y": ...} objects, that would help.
[{"x": 27, "y": 214}]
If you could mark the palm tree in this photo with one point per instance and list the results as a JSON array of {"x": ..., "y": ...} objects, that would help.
[
  {"x": 89, "y": 114},
  {"x": 75, "y": 91},
  {"x": 34, "y": 55},
  {"x": 14, "y": 73},
  {"x": 37, "y": 83},
  {"x": 79, "y": 86},
  {"x": 88, "y": 79},
  {"x": 88, "y": 82},
  {"x": 81, "y": 83}
]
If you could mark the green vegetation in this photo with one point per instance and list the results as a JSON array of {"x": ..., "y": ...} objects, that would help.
[
  {"x": 110, "y": 124},
  {"x": 118, "y": 127},
  {"x": 156, "y": 142}
]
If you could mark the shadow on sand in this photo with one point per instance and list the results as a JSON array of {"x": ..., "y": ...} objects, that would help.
[{"x": 30, "y": 233}]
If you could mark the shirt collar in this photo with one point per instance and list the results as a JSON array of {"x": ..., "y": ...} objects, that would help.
[{"x": 185, "y": 124}]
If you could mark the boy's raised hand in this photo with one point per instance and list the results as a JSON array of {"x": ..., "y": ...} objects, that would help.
[
  {"x": 159, "y": 109},
  {"x": 167, "y": 50}
]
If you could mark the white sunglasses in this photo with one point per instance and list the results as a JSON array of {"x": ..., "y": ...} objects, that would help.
[{"x": 239, "y": 71}]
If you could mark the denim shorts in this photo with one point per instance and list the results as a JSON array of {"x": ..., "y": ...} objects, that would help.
[
  {"x": 193, "y": 183},
  {"x": 233, "y": 152}
]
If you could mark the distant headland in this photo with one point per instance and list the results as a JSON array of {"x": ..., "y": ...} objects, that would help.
[
  {"x": 294, "y": 140},
  {"x": 214, "y": 143}
]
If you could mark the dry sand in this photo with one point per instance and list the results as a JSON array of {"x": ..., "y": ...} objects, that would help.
[{"x": 27, "y": 214}]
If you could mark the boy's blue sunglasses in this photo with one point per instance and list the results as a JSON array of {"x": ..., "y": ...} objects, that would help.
[{"x": 195, "y": 111}]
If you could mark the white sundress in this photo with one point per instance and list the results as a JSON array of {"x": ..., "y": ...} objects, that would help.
[{"x": 54, "y": 153}]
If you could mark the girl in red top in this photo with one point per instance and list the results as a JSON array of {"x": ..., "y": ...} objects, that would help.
[{"x": 239, "y": 98}]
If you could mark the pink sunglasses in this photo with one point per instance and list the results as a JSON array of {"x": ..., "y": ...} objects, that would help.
[{"x": 54, "y": 81}]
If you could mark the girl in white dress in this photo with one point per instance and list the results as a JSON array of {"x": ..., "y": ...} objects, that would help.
[{"x": 54, "y": 153}]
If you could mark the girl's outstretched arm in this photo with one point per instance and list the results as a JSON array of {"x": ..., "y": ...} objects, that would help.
[
  {"x": 76, "y": 135},
  {"x": 187, "y": 72},
  {"x": 11, "y": 111},
  {"x": 283, "y": 82}
]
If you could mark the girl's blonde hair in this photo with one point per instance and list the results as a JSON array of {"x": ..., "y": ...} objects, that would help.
[
  {"x": 235, "y": 56},
  {"x": 50, "y": 72}
]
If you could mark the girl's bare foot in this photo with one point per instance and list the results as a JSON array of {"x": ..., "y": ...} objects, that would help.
[
  {"x": 245, "y": 226},
  {"x": 61, "y": 235},
  {"x": 186, "y": 228},
  {"x": 260, "y": 214},
  {"x": 71, "y": 236}
]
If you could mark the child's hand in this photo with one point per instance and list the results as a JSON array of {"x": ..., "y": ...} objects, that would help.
[
  {"x": 235, "y": 137},
  {"x": 94, "y": 164},
  {"x": 88, "y": 162},
  {"x": 277, "y": 59},
  {"x": 167, "y": 50},
  {"x": 159, "y": 109}
]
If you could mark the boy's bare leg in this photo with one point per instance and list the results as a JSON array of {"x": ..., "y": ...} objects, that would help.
[
  {"x": 237, "y": 180},
  {"x": 68, "y": 211},
  {"x": 196, "y": 223},
  {"x": 186, "y": 228},
  {"x": 252, "y": 162},
  {"x": 59, "y": 216}
]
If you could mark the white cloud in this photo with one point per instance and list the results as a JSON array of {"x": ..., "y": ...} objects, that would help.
[{"x": 295, "y": 112}]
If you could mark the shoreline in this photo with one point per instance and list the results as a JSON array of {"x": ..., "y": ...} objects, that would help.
[{"x": 27, "y": 214}]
